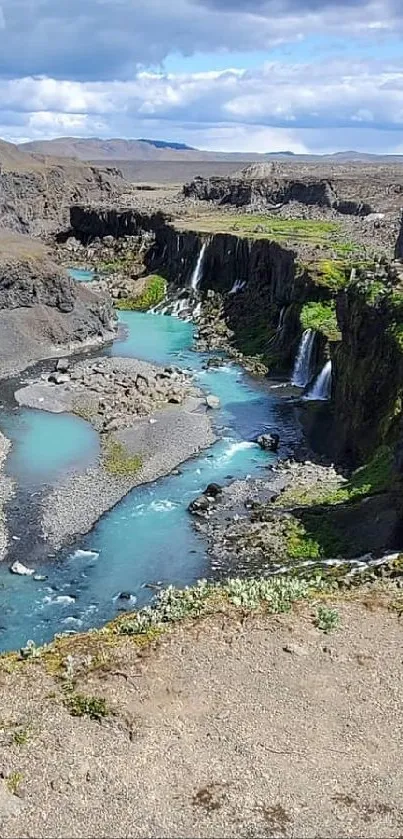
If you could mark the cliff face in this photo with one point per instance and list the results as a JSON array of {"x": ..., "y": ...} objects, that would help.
[
  {"x": 264, "y": 288},
  {"x": 42, "y": 311},
  {"x": 36, "y": 192},
  {"x": 368, "y": 376},
  {"x": 271, "y": 191},
  {"x": 88, "y": 223}
]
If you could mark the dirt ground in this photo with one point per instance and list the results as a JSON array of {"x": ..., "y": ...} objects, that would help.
[{"x": 261, "y": 726}]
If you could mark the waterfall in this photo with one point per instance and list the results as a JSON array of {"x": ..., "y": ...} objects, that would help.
[
  {"x": 281, "y": 319},
  {"x": 302, "y": 368},
  {"x": 322, "y": 387},
  {"x": 197, "y": 273},
  {"x": 238, "y": 286}
]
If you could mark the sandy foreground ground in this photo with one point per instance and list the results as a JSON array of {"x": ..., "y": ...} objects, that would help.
[{"x": 254, "y": 726}]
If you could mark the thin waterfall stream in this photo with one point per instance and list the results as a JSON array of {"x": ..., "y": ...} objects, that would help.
[
  {"x": 322, "y": 387},
  {"x": 302, "y": 373}
]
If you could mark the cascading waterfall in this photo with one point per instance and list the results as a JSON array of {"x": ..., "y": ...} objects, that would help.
[
  {"x": 281, "y": 319},
  {"x": 322, "y": 387},
  {"x": 198, "y": 271},
  {"x": 302, "y": 369},
  {"x": 238, "y": 286}
]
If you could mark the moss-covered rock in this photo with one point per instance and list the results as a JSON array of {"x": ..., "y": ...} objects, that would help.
[{"x": 152, "y": 293}]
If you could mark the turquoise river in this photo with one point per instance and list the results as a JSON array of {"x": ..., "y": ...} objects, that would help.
[{"x": 149, "y": 536}]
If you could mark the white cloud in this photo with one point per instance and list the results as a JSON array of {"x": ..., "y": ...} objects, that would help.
[{"x": 108, "y": 39}]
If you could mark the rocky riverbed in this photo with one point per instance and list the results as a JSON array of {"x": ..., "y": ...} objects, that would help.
[
  {"x": 109, "y": 393},
  {"x": 150, "y": 420},
  {"x": 293, "y": 520}
]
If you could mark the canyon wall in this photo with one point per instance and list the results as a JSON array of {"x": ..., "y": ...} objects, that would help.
[
  {"x": 42, "y": 311},
  {"x": 264, "y": 288}
]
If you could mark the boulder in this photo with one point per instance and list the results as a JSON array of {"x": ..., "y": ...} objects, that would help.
[
  {"x": 200, "y": 504},
  {"x": 21, "y": 570},
  {"x": 59, "y": 378},
  {"x": 212, "y": 401},
  {"x": 213, "y": 490},
  {"x": 268, "y": 442},
  {"x": 62, "y": 365}
]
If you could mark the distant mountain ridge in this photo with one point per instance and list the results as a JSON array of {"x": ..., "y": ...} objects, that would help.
[{"x": 117, "y": 149}]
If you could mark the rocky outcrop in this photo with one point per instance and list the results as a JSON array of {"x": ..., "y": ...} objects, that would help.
[
  {"x": 246, "y": 189},
  {"x": 88, "y": 223},
  {"x": 36, "y": 192},
  {"x": 41, "y": 309}
]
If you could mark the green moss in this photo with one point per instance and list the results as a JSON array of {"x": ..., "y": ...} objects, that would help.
[
  {"x": 322, "y": 318},
  {"x": 314, "y": 537},
  {"x": 117, "y": 461},
  {"x": 332, "y": 274},
  {"x": 153, "y": 293},
  {"x": 300, "y": 545}
]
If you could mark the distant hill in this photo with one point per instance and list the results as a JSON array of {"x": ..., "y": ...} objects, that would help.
[
  {"x": 110, "y": 151},
  {"x": 116, "y": 149}
]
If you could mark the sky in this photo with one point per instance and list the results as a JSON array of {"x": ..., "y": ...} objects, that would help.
[{"x": 231, "y": 75}]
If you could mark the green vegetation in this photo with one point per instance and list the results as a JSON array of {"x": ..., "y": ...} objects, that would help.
[
  {"x": 374, "y": 477},
  {"x": 13, "y": 782},
  {"x": 327, "y": 619},
  {"x": 322, "y": 318},
  {"x": 298, "y": 230},
  {"x": 332, "y": 274},
  {"x": 21, "y": 736},
  {"x": 276, "y": 595},
  {"x": 120, "y": 264},
  {"x": 314, "y": 537},
  {"x": 117, "y": 461},
  {"x": 79, "y": 705},
  {"x": 153, "y": 293}
]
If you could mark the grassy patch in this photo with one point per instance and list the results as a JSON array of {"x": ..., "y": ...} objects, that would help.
[
  {"x": 322, "y": 318},
  {"x": 153, "y": 293},
  {"x": 258, "y": 226},
  {"x": 79, "y": 705},
  {"x": 13, "y": 782},
  {"x": 118, "y": 461},
  {"x": 21, "y": 736}
]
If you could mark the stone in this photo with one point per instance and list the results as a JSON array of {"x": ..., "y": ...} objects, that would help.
[
  {"x": 142, "y": 384},
  {"x": 213, "y": 490},
  {"x": 125, "y": 595},
  {"x": 62, "y": 365},
  {"x": 212, "y": 401},
  {"x": 268, "y": 442},
  {"x": 59, "y": 378},
  {"x": 200, "y": 504},
  {"x": 21, "y": 570}
]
